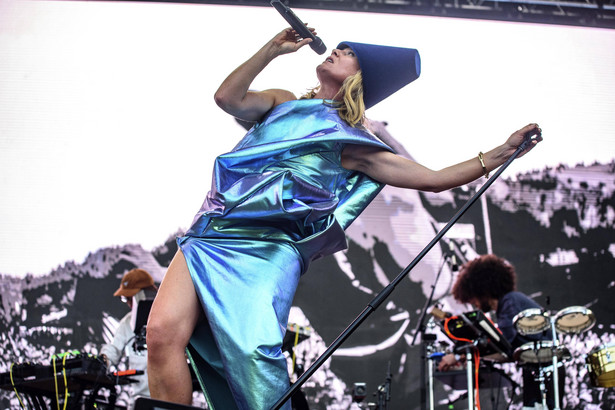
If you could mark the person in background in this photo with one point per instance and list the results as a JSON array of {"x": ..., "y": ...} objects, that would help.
[
  {"x": 124, "y": 338},
  {"x": 489, "y": 284}
]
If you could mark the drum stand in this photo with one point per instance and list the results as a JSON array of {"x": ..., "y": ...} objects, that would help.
[
  {"x": 542, "y": 376},
  {"x": 554, "y": 347},
  {"x": 543, "y": 371}
]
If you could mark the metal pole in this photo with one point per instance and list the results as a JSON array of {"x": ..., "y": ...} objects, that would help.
[
  {"x": 470, "y": 378},
  {"x": 555, "y": 369},
  {"x": 430, "y": 363}
]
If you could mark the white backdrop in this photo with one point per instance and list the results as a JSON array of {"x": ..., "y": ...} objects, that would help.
[{"x": 108, "y": 128}]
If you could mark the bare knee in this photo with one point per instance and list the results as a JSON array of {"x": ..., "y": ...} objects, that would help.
[
  {"x": 155, "y": 339},
  {"x": 164, "y": 339},
  {"x": 174, "y": 313}
]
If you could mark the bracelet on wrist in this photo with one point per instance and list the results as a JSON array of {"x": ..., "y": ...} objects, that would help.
[{"x": 482, "y": 164}]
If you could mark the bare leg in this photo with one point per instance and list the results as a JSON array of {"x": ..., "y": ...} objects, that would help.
[{"x": 172, "y": 320}]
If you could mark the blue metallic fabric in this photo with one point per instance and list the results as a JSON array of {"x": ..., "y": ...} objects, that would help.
[{"x": 278, "y": 200}]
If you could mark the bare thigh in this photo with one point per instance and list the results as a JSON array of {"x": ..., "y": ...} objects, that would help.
[{"x": 176, "y": 309}]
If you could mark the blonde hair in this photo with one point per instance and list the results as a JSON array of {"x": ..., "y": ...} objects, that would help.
[{"x": 351, "y": 107}]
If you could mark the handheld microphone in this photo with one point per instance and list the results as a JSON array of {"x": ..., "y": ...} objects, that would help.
[{"x": 317, "y": 45}]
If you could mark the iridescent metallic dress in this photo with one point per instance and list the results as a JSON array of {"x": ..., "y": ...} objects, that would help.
[{"x": 280, "y": 199}]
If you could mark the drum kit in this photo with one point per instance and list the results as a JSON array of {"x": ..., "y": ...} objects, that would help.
[{"x": 569, "y": 321}]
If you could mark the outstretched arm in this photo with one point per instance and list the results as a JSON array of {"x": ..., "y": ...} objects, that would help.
[
  {"x": 392, "y": 169},
  {"x": 233, "y": 95}
]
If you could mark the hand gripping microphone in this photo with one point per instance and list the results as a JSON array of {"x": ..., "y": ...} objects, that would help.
[{"x": 317, "y": 45}]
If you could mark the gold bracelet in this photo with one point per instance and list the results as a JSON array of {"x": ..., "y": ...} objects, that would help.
[{"x": 482, "y": 164}]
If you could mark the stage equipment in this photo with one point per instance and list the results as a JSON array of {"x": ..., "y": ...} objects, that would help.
[
  {"x": 295, "y": 334},
  {"x": 384, "y": 391},
  {"x": 532, "y": 321},
  {"x": 540, "y": 352},
  {"x": 481, "y": 338},
  {"x": 67, "y": 378},
  {"x": 537, "y": 354},
  {"x": 489, "y": 378},
  {"x": 574, "y": 320},
  {"x": 429, "y": 351},
  {"x": 359, "y": 392},
  {"x": 428, "y": 348},
  {"x": 554, "y": 360},
  {"x": 571, "y": 320},
  {"x": 317, "y": 45},
  {"x": 477, "y": 329},
  {"x": 384, "y": 294},
  {"x": 601, "y": 365},
  {"x": 141, "y": 306}
]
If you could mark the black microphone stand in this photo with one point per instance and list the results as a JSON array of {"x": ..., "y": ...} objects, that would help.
[{"x": 384, "y": 294}]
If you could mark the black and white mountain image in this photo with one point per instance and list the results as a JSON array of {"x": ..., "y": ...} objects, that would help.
[{"x": 555, "y": 225}]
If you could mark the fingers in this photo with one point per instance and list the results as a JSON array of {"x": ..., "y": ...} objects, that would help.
[
  {"x": 531, "y": 131},
  {"x": 292, "y": 34},
  {"x": 537, "y": 131},
  {"x": 297, "y": 36},
  {"x": 532, "y": 128},
  {"x": 289, "y": 41},
  {"x": 534, "y": 133}
]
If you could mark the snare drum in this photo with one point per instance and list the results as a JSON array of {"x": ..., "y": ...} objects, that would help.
[
  {"x": 575, "y": 319},
  {"x": 539, "y": 352},
  {"x": 531, "y": 321},
  {"x": 601, "y": 364}
]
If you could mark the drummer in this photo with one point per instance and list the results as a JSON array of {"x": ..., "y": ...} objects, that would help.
[{"x": 488, "y": 283}]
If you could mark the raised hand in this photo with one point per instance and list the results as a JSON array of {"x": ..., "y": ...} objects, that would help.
[
  {"x": 288, "y": 41},
  {"x": 532, "y": 131}
]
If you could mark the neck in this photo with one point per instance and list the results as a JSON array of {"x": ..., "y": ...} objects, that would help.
[{"x": 327, "y": 92}]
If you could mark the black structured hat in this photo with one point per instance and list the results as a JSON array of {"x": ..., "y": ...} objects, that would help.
[{"x": 385, "y": 69}]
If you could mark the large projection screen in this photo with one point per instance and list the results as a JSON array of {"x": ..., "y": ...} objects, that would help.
[{"x": 109, "y": 129}]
